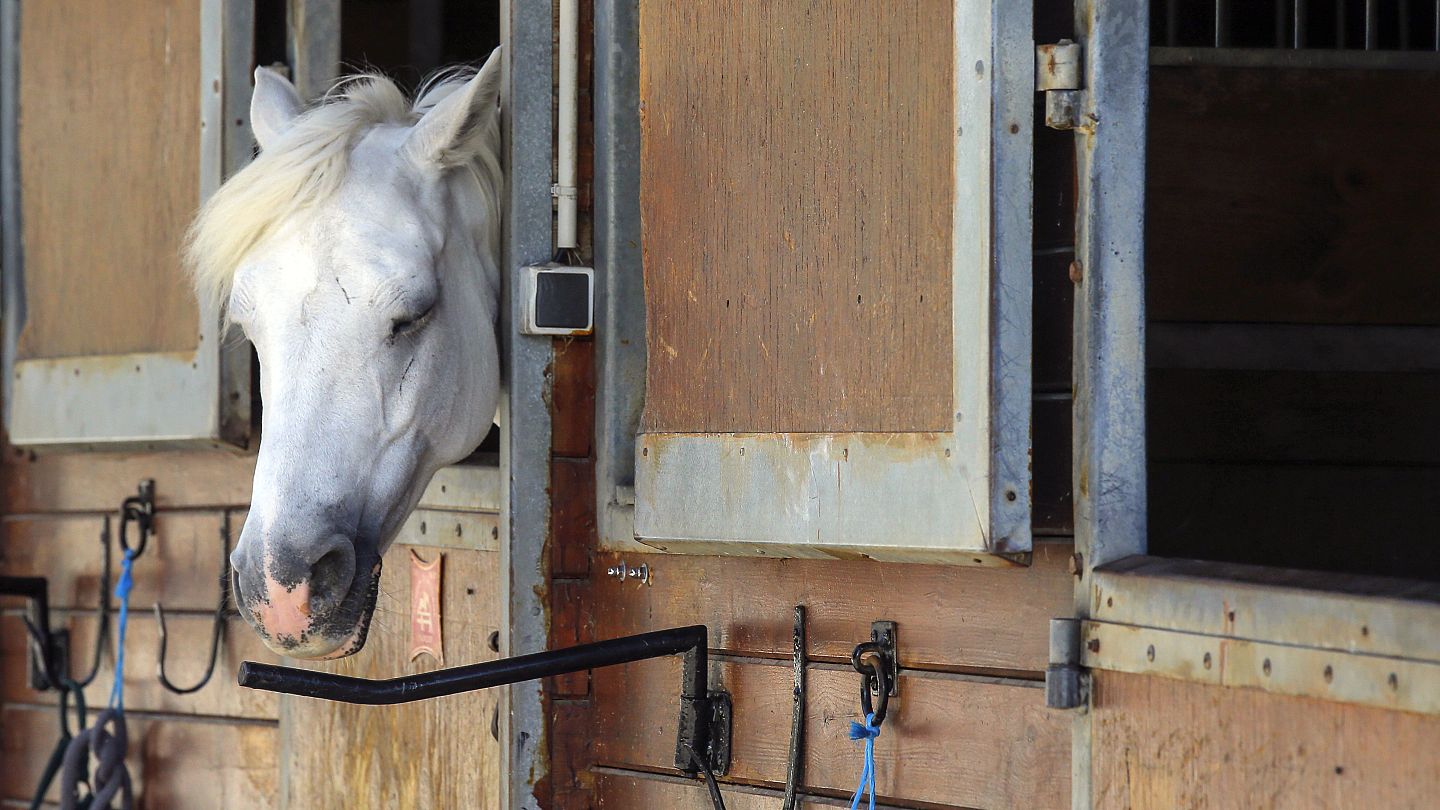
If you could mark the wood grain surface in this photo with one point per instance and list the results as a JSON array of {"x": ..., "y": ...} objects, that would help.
[
  {"x": 796, "y": 196},
  {"x": 110, "y": 175}
]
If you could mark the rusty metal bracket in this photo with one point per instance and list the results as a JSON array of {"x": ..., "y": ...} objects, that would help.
[{"x": 1057, "y": 75}]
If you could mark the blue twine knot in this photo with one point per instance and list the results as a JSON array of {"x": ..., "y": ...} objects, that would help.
[
  {"x": 122, "y": 592},
  {"x": 867, "y": 732},
  {"x": 860, "y": 731}
]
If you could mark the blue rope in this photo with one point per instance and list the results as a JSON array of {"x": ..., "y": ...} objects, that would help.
[
  {"x": 867, "y": 732},
  {"x": 122, "y": 592}
]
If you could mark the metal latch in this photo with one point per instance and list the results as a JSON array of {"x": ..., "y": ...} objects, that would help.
[
  {"x": 1067, "y": 684},
  {"x": 1057, "y": 75}
]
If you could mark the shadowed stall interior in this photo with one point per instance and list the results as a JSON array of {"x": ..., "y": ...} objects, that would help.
[{"x": 1293, "y": 303}]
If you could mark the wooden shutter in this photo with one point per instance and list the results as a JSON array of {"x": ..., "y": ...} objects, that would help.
[
  {"x": 121, "y": 118},
  {"x": 836, "y": 235}
]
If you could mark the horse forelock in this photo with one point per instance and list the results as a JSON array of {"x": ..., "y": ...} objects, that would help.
[{"x": 306, "y": 166}]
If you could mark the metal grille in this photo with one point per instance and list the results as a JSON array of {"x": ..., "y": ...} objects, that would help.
[{"x": 1338, "y": 25}]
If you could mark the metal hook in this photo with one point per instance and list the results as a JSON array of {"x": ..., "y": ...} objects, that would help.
[
  {"x": 102, "y": 607},
  {"x": 217, "y": 630},
  {"x": 874, "y": 679},
  {"x": 139, "y": 508}
]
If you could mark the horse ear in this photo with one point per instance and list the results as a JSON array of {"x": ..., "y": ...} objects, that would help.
[
  {"x": 274, "y": 106},
  {"x": 456, "y": 128}
]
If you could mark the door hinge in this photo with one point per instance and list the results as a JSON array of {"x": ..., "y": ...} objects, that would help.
[
  {"x": 1057, "y": 75},
  {"x": 1067, "y": 684}
]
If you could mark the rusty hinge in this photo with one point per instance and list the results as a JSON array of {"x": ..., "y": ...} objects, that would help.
[
  {"x": 1057, "y": 75},
  {"x": 1067, "y": 684}
]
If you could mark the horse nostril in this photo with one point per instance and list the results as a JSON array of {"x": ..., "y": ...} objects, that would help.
[{"x": 331, "y": 575}]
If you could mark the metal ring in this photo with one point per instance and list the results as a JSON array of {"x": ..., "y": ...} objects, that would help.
[
  {"x": 877, "y": 679},
  {"x": 133, "y": 509},
  {"x": 861, "y": 649}
]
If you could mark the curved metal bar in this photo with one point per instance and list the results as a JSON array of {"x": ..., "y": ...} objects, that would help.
[
  {"x": 217, "y": 629},
  {"x": 704, "y": 715},
  {"x": 408, "y": 688}
]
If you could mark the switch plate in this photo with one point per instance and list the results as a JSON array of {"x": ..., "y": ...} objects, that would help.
[{"x": 559, "y": 300}]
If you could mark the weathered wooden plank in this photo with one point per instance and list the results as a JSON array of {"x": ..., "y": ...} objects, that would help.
[
  {"x": 1326, "y": 518},
  {"x": 98, "y": 482},
  {"x": 1159, "y": 744},
  {"x": 1337, "y": 418},
  {"x": 950, "y": 617},
  {"x": 947, "y": 739},
  {"x": 572, "y": 403},
  {"x": 435, "y": 753},
  {"x": 1252, "y": 216},
  {"x": 109, "y": 175},
  {"x": 821, "y": 300},
  {"x": 616, "y": 791},
  {"x": 180, "y": 566},
  {"x": 174, "y": 762},
  {"x": 189, "y": 650}
]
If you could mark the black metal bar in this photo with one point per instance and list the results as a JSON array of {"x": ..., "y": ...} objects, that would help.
[
  {"x": 442, "y": 682},
  {"x": 42, "y": 641},
  {"x": 696, "y": 712}
]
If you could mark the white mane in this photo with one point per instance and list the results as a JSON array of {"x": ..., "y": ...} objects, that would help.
[{"x": 307, "y": 165}]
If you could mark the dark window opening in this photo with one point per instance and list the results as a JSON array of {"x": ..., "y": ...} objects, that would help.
[{"x": 1293, "y": 308}]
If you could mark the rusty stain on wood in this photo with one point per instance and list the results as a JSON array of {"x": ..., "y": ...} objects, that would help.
[{"x": 821, "y": 299}]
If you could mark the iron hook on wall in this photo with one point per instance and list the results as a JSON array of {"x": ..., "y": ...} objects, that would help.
[
  {"x": 102, "y": 608},
  {"x": 140, "y": 509},
  {"x": 217, "y": 629}
]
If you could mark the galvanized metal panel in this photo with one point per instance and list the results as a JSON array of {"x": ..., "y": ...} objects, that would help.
[
  {"x": 620, "y": 294},
  {"x": 1109, "y": 404},
  {"x": 134, "y": 399},
  {"x": 961, "y": 495},
  {"x": 1367, "y": 680},
  {"x": 851, "y": 496},
  {"x": 525, "y": 409},
  {"x": 1341, "y": 613}
]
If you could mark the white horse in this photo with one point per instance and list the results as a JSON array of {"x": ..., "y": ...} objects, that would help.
[{"x": 359, "y": 252}]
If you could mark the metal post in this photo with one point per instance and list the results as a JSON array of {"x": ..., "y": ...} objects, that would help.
[
  {"x": 1222, "y": 24},
  {"x": 12, "y": 279},
  {"x": 620, "y": 305},
  {"x": 1109, "y": 411},
  {"x": 313, "y": 45},
  {"x": 1302, "y": 17},
  {"x": 1372, "y": 26},
  {"x": 525, "y": 28}
]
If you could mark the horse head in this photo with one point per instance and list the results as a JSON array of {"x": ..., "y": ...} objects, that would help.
[{"x": 359, "y": 254}]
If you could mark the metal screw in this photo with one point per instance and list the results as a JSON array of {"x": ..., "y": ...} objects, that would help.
[
  {"x": 1150, "y": 653},
  {"x": 1207, "y": 660},
  {"x": 1077, "y": 564},
  {"x": 1094, "y": 645},
  {"x": 1076, "y": 273},
  {"x": 1394, "y": 681},
  {"x": 1266, "y": 667},
  {"x": 1329, "y": 674}
]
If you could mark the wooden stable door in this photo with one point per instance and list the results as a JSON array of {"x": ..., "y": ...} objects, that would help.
[
  {"x": 835, "y": 236},
  {"x": 125, "y": 117}
]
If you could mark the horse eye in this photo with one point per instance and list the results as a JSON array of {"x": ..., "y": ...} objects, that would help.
[{"x": 404, "y": 326}]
